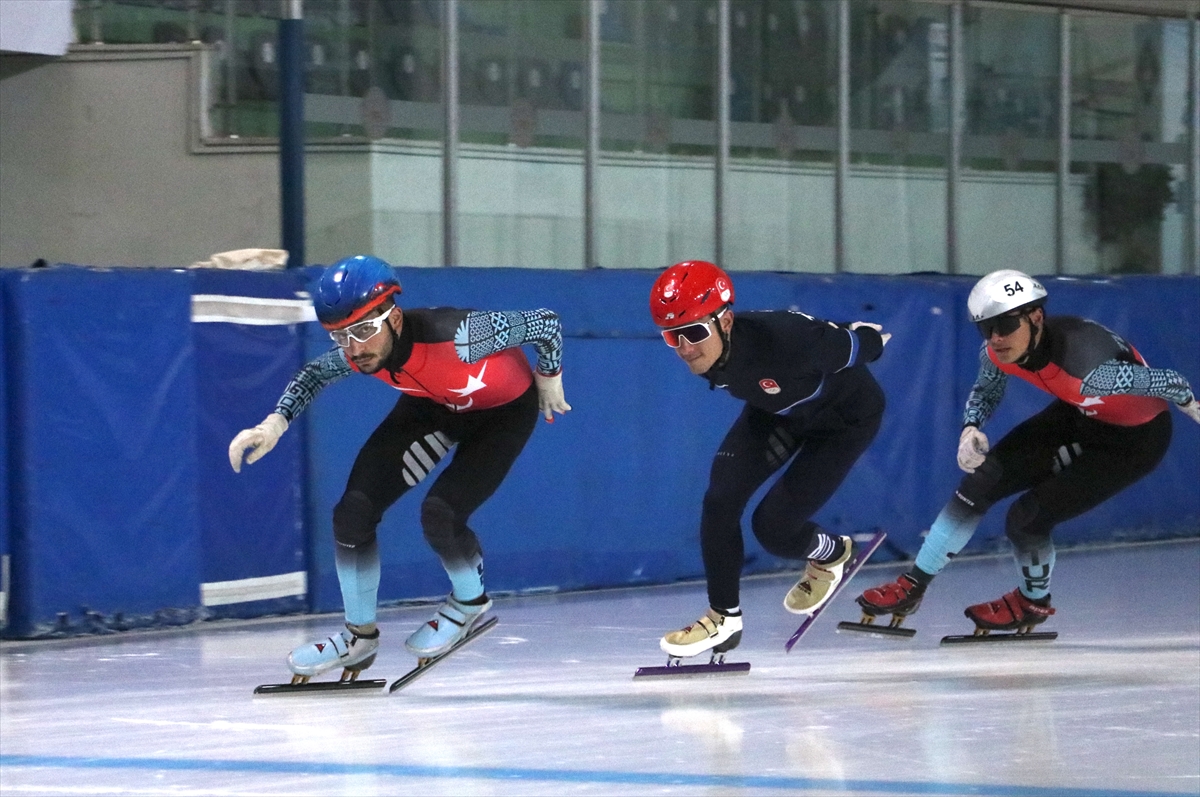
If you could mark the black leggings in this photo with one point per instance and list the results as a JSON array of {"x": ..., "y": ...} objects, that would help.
[
  {"x": 415, "y": 436},
  {"x": 758, "y": 445},
  {"x": 1067, "y": 463}
]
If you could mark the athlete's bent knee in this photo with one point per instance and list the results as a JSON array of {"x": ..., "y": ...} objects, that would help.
[
  {"x": 354, "y": 520},
  {"x": 437, "y": 522},
  {"x": 1028, "y": 526},
  {"x": 446, "y": 532}
]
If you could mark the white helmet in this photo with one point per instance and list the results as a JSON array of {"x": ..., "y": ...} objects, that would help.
[{"x": 1002, "y": 292}]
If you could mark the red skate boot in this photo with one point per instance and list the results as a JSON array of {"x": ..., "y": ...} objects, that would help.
[
  {"x": 1013, "y": 612},
  {"x": 899, "y": 598}
]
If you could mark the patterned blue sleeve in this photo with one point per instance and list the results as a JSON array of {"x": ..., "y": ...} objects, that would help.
[
  {"x": 1115, "y": 377},
  {"x": 310, "y": 380},
  {"x": 986, "y": 393},
  {"x": 481, "y": 334}
]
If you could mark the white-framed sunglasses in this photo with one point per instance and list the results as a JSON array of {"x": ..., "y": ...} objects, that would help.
[
  {"x": 695, "y": 333},
  {"x": 362, "y": 331}
]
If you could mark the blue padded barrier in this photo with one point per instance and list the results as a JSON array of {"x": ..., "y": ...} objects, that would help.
[
  {"x": 121, "y": 504},
  {"x": 253, "y": 542},
  {"x": 102, "y": 419}
]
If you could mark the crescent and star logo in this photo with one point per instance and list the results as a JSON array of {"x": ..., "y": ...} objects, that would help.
[
  {"x": 473, "y": 383},
  {"x": 769, "y": 386}
]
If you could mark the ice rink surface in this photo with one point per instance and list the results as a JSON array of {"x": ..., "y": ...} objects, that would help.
[{"x": 546, "y": 704}]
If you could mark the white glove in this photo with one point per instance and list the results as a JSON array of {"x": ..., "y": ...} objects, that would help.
[
  {"x": 258, "y": 441},
  {"x": 877, "y": 327},
  {"x": 972, "y": 445},
  {"x": 550, "y": 395},
  {"x": 1191, "y": 409}
]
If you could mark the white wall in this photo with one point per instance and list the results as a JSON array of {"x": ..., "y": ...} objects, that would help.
[
  {"x": 42, "y": 27},
  {"x": 96, "y": 168}
]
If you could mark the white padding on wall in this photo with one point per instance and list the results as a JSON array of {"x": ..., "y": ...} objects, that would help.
[
  {"x": 285, "y": 585},
  {"x": 210, "y": 309}
]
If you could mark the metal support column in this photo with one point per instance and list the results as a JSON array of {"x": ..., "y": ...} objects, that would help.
[
  {"x": 842, "y": 170},
  {"x": 450, "y": 132},
  {"x": 1062, "y": 186},
  {"x": 591, "y": 123},
  {"x": 291, "y": 131},
  {"x": 229, "y": 54},
  {"x": 957, "y": 119},
  {"x": 722, "y": 170}
]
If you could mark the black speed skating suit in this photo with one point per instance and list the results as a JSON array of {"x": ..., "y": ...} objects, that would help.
[{"x": 809, "y": 399}]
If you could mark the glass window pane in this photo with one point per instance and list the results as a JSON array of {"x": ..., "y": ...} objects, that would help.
[
  {"x": 655, "y": 179},
  {"x": 899, "y": 117},
  {"x": 520, "y": 175},
  {"x": 783, "y": 106},
  {"x": 1128, "y": 145},
  {"x": 1010, "y": 154}
]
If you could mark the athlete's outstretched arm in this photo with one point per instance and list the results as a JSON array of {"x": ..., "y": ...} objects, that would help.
[
  {"x": 1116, "y": 377},
  {"x": 986, "y": 393},
  {"x": 985, "y": 396},
  {"x": 299, "y": 393},
  {"x": 481, "y": 334},
  {"x": 484, "y": 333}
]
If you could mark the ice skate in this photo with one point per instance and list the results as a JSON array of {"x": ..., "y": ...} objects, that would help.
[
  {"x": 346, "y": 649},
  {"x": 714, "y": 632},
  {"x": 477, "y": 628},
  {"x": 819, "y": 582},
  {"x": 848, "y": 569},
  {"x": 1012, "y": 612},
  {"x": 350, "y": 651},
  {"x": 899, "y": 598},
  {"x": 449, "y": 626}
]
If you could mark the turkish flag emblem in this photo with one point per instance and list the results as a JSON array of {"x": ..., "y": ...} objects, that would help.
[{"x": 769, "y": 386}]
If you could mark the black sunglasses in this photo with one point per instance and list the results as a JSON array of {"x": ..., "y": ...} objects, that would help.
[{"x": 1004, "y": 325}]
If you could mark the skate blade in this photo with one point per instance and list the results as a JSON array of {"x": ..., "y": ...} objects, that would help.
[
  {"x": 969, "y": 639},
  {"x": 319, "y": 686},
  {"x": 425, "y": 663},
  {"x": 693, "y": 670},
  {"x": 877, "y": 630}
]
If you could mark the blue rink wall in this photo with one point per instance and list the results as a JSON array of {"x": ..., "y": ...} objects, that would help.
[{"x": 120, "y": 397}]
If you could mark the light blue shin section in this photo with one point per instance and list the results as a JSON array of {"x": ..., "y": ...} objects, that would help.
[
  {"x": 466, "y": 578},
  {"x": 358, "y": 575},
  {"x": 948, "y": 535},
  {"x": 1035, "y": 567}
]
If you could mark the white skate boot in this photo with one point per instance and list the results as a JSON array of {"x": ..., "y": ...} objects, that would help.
[
  {"x": 714, "y": 631},
  {"x": 453, "y": 621},
  {"x": 818, "y": 582},
  {"x": 352, "y": 652}
]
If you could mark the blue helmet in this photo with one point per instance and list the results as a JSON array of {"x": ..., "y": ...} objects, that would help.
[{"x": 351, "y": 288}]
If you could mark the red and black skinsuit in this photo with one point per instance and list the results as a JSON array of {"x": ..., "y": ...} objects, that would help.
[
  {"x": 465, "y": 384},
  {"x": 1108, "y": 426}
]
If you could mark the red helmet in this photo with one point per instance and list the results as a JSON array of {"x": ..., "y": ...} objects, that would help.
[{"x": 689, "y": 291}]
